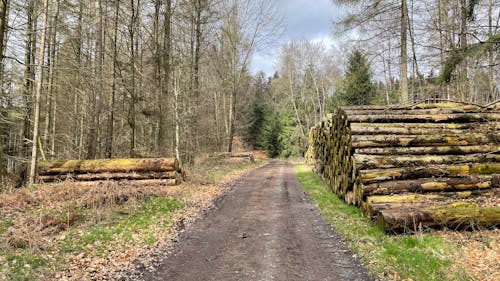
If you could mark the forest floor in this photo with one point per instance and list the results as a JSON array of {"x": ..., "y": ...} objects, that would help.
[{"x": 114, "y": 230}]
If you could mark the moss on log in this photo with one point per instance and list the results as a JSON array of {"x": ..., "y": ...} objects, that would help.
[
  {"x": 111, "y": 176},
  {"x": 458, "y": 215},
  {"x": 366, "y": 141},
  {"x": 364, "y": 161},
  {"x": 108, "y": 166},
  {"x": 406, "y": 173},
  {"x": 425, "y": 118},
  {"x": 423, "y": 185}
]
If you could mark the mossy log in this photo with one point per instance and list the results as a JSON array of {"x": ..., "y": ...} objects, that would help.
[
  {"x": 244, "y": 155},
  {"x": 418, "y": 111},
  {"x": 366, "y": 141},
  {"x": 423, "y": 185},
  {"x": 457, "y": 215},
  {"x": 435, "y": 118},
  {"x": 374, "y": 204},
  {"x": 407, "y": 173},
  {"x": 441, "y": 105},
  {"x": 422, "y": 128},
  {"x": 364, "y": 161},
  {"x": 436, "y": 150},
  {"x": 111, "y": 176},
  {"x": 108, "y": 166}
]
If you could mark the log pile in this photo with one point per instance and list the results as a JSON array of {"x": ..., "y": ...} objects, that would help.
[
  {"x": 164, "y": 171},
  {"x": 408, "y": 167},
  {"x": 246, "y": 156}
]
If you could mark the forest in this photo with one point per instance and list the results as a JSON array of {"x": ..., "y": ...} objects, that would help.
[{"x": 171, "y": 78}]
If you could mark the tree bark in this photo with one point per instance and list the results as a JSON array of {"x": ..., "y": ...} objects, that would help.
[
  {"x": 423, "y": 185},
  {"x": 438, "y": 171},
  {"x": 111, "y": 176},
  {"x": 366, "y": 141},
  {"x": 463, "y": 215},
  {"x": 364, "y": 161},
  {"x": 108, "y": 166},
  {"x": 108, "y": 150},
  {"x": 3, "y": 31},
  {"x": 404, "y": 52},
  {"x": 38, "y": 93}
]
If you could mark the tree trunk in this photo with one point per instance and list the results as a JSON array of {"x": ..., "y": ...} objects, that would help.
[
  {"x": 133, "y": 99},
  {"x": 425, "y": 150},
  {"x": 108, "y": 166},
  {"x": 365, "y": 141},
  {"x": 438, "y": 171},
  {"x": 38, "y": 93},
  {"x": 111, "y": 176},
  {"x": 463, "y": 46},
  {"x": 364, "y": 161},
  {"x": 3, "y": 31},
  {"x": 93, "y": 138},
  {"x": 108, "y": 151},
  {"x": 423, "y": 185},
  {"x": 28, "y": 90},
  {"x": 404, "y": 52},
  {"x": 463, "y": 215},
  {"x": 424, "y": 118}
]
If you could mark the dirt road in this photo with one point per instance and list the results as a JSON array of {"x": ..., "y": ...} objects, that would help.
[{"x": 265, "y": 229}]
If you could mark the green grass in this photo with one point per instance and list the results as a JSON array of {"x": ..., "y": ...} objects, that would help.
[
  {"x": 423, "y": 256},
  {"x": 154, "y": 211},
  {"x": 4, "y": 225},
  {"x": 23, "y": 265}
]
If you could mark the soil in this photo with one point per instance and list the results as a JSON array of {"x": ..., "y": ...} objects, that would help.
[{"x": 265, "y": 228}]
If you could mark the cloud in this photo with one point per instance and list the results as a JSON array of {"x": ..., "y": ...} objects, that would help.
[{"x": 303, "y": 19}]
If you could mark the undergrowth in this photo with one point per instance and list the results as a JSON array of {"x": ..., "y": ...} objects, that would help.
[{"x": 422, "y": 256}]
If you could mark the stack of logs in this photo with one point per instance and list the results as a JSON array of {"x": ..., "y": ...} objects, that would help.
[
  {"x": 246, "y": 156},
  {"x": 163, "y": 171},
  {"x": 411, "y": 167}
]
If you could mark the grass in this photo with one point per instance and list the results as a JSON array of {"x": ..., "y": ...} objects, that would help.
[
  {"x": 153, "y": 212},
  {"x": 423, "y": 256}
]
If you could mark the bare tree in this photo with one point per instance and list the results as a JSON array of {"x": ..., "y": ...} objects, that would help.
[{"x": 38, "y": 92}]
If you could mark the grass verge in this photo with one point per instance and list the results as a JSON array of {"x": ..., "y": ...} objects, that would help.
[{"x": 423, "y": 256}]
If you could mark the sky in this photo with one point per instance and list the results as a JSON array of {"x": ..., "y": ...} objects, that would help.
[{"x": 302, "y": 19}]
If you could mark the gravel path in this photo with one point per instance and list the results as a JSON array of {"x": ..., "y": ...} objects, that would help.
[{"x": 266, "y": 228}]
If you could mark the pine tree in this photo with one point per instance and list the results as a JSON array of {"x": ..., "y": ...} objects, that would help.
[{"x": 357, "y": 86}]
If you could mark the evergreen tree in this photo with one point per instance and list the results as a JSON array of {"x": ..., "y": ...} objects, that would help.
[
  {"x": 357, "y": 87},
  {"x": 270, "y": 137}
]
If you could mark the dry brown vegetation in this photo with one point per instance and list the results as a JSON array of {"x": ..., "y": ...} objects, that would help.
[{"x": 72, "y": 230}]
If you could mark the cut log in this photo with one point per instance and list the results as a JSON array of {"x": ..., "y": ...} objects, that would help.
[
  {"x": 245, "y": 155},
  {"x": 108, "y": 166},
  {"x": 428, "y": 111},
  {"x": 111, "y": 176},
  {"x": 436, "y": 150},
  {"x": 441, "y": 118},
  {"x": 442, "y": 105},
  {"x": 374, "y": 204},
  {"x": 431, "y": 185},
  {"x": 366, "y": 141},
  {"x": 458, "y": 215},
  {"x": 422, "y": 128},
  {"x": 364, "y": 161},
  {"x": 406, "y": 173}
]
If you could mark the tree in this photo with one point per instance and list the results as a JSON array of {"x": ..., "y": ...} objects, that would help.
[
  {"x": 249, "y": 25},
  {"x": 357, "y": 87},
  {"x": 4, "y": 5},
  {"x": 38, "y": 93}
]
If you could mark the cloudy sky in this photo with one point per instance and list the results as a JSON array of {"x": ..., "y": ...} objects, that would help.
[{"x": 303, "y": 19}]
